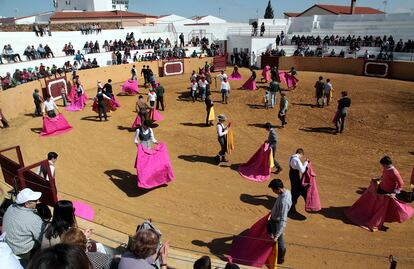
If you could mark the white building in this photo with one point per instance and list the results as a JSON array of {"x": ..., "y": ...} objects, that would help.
[
  {"x": 91, "y": 5},
  {"x": 174, "y": 19},
  {"x": 208, "y": 20}
]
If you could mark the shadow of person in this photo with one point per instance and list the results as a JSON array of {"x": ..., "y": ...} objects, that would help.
[
  {"x": 219, "y": 247},
  {"x": 234, "y": 166},
  {"x": 198, "y": 158},
  {"x": 32, "y": 115},
  {"x": 127, "y": 182},
  {"x": 296, "y": 216},
  {"x": 92, "y": 118},
  {"x": 326, "y": 130},
  {"x": 194, "y": 124},
  {"x": 124, "y": 128},
  {"x": 255, "y": 106},
  {"x": 36, "y": 130},
  {"x": 337, "y": 213},
  {"x": 264, "y": 200},
  {"x": 184, "y": 96},
  {"x": 303, "y": 104}
]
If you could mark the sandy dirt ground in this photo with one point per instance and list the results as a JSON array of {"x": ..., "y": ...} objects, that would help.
[{"x": 207, "y": 204}]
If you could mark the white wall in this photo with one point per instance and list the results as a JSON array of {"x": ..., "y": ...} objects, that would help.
[{"x": 75, "y": 5}]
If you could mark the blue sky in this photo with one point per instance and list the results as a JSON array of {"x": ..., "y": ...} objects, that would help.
[{"x": 232, "y": 10}]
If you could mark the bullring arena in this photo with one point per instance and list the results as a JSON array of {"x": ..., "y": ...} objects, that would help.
[{"x": 208, "y": 204}]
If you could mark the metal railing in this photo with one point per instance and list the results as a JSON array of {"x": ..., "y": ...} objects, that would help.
[{"x": 270, "y": 31}]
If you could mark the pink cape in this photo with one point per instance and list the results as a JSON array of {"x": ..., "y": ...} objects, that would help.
[
  {"x": 153, "y": 166},
  {"x": 72, "y": 93},
  {"x": 291, "y": 81},
  {"x": 250, "y": 84},
  {"x": 254, "y": 247},
  {"x": 156, "y": 116},
  {"x": 130, "y": 87},
  {"x": 83, "y": 210},
  {"x": 55, "y": 126},
  {"x": 235, "y": 76},
  {"x": 78, "y": 103},
  {"x": 371, "y": 210},
  {"x": 312, "y": 204},
  {"x": 115, "y": 103},
  {"x": 110, "y": 105},
  {"x": 266, "y": 73},
  {"x": 257, "y": 167}
]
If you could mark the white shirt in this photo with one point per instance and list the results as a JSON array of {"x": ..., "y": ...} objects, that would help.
[
  {"x": 48, "y": 106},
  {"x": 221, "y": 130},
  {"x": 202, "y": 84},
  {"x": 145, "y": 132},
  {"x": 225, "y": 86},
  {"x": 7, "y": 258},
  {"x": 222, "y": 76},
  {"x": 52, "y": 170},
  {"x": 194, "y": 87},
  {"x": 296, "y": 164},
  {"x": 152, "y": 96}
]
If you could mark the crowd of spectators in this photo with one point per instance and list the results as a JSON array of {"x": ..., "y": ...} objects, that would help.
[
  {"x": 33, "y": 237},
  {"x": 385, "y": 43},
  {"x": 41, "y": 30},
  {"x": 30, "y": 74},
  {"x": 88, "y": 29},
  {"x": 40, "y": 53}
]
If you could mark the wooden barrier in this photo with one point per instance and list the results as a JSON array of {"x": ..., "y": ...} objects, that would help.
[{"x": 9, "y": 167}]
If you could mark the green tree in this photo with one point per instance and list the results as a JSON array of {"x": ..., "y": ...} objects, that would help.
[{"x": 269, "y": 11}]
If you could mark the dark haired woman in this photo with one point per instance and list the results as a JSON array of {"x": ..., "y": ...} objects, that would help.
[{"x": 63, "y": 219}]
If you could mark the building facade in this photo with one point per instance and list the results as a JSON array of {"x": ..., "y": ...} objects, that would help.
[{"x": 91, "y": 5}]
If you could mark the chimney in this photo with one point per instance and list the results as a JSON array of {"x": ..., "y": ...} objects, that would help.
[{"x": 353, "y": 2}]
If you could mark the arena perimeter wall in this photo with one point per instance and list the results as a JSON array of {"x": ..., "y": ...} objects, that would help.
[
  {"x": 18, "y": 101},
  {"x": 398, "y": 70}
]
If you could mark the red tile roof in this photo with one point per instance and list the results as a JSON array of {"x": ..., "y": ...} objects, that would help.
[
  {"x": 98, "y": 15},
  {"x": 346, "y": 10},
  {"x": 291, "y": 14}
]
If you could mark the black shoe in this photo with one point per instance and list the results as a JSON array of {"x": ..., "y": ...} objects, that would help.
[
  {"x": 223, "y": 159},
  {"x": 217, "y": 158},
  {"x": 278, "y": 170}
]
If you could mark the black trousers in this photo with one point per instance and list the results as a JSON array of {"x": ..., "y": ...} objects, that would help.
[
  {"x": 101, "y": 110},
  {"x": 296, "y": 185},
  {"x": 160, "y": 101},
  {"x": 223, "y": 145}
]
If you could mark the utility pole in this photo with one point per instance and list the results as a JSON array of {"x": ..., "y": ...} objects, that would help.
[
  {"x": 219, "y": 12},
  {"x": 122, "y": 22},
  {"x": 385, "y": 6}
]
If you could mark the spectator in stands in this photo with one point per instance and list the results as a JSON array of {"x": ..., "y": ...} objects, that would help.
[
  {"x": 254, "y": 28},
  {"x": 181, "y": 40},
  {"x": 62, "y": 256},
  {"x": 7, "y": 258},
  {"x": 41, "y": 51},
  {"x": 29, "y": 54},
  {"x": 48, "y": 52},
  {"x": 106, "y": 46},
  {"x": 10, "y": 55},
  {"x": 36, "y": 29},
  {"x": 332, "y": 54},
  {"x": 262, "y": 29},
  {"x": 79, "y": 58},
  {"x": 23, "y": 227},
  {"x": 143, "y": 251},
  {"x": 203, "y": 263},
  {"x": 63, "y": 219},
  {"x": 74, "y": 236}
]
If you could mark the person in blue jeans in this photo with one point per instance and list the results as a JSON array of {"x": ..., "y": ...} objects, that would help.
[
  {"x": 343, "y": 105},
  {"x": 279, "y": 216}
]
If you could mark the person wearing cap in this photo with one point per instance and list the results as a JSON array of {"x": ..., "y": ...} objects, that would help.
[
  {"x": 272, "y": 140},
  {"x": 296, "y": 169},
  {"x": 221, "y": 133},
  {"x": 279, "y": 216},
  {"x": 144, "y": 135},
  {"x": 22, "y": 226}
]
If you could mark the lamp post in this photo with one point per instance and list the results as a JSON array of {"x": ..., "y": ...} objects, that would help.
[
  {"x": 122, "y": 22},
  {"x": 219, "y": 11}
]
